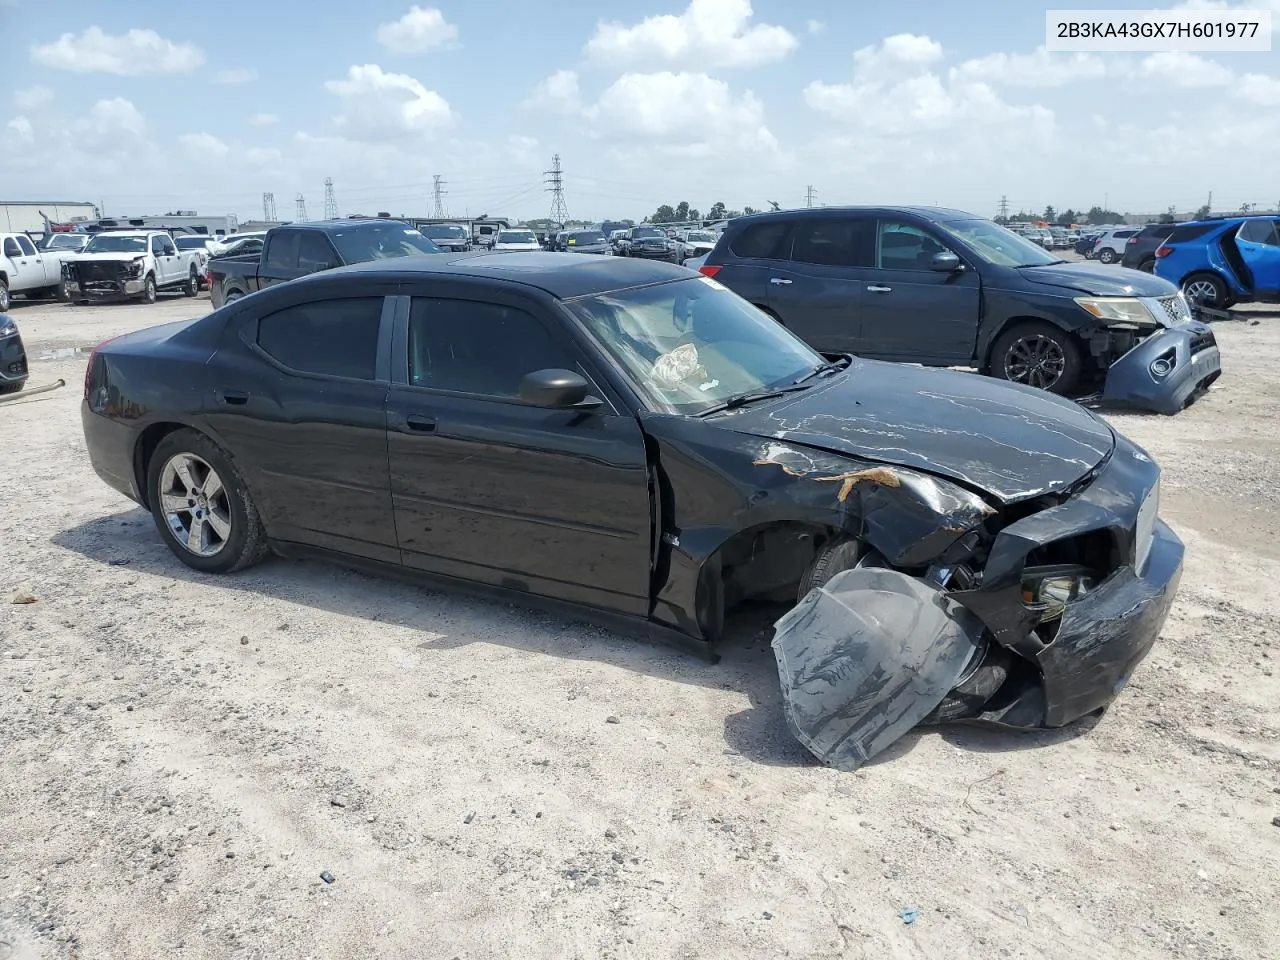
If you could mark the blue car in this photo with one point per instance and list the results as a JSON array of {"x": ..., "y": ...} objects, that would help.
[{"x": 1223, "y": 261}]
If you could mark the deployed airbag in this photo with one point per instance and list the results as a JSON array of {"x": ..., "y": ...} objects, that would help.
[{"x": 865, "y": 657}]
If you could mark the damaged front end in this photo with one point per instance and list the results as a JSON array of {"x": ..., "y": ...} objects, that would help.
[
  {"x": 1050, "y": 603},
  {"x": 103, "y": 278}
]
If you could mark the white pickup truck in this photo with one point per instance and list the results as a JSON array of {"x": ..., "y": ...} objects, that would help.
[
  {"x": 131, "y": 264},
  {"x": 26, "y": 270}
]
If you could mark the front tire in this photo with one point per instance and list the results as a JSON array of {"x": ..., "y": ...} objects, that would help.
[
  {"x": 1037, "y": 355},
  {"x": 6, "y": 301},
  {"x": 1207, "y": 289},
  {"x": 201, "y": 505},
  {"x": 192, "y": 287},
  {"x": 149, "y": 289}
]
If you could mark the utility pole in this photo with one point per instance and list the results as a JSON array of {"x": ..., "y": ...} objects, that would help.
[
  {"x": 301, "y": 202},
  {"x": 1004, "y": 207},
  {"x": 1209, "y": 203},
  {"x": 269, "y": 207},
  {"x": 809, "y": 195},
  {"x": 554, "y": 179},
  {"x": 330, "y": 201},
  {"x": 438, "y": 191}
]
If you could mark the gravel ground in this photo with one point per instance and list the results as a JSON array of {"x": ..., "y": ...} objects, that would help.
[{"x": 299, "y": 761}]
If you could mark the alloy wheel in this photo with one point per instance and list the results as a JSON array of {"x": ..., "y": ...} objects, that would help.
[
  {"x": 196, "y": 505},
  {"x": 1201, "y": 291},
  {"x": 1036, "y": 361}
]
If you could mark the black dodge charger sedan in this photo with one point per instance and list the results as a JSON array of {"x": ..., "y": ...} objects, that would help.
[{"x": 635, "y": 442}]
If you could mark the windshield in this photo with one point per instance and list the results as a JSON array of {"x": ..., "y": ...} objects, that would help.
[
  {"x": 517, "y": 236},
  {"x": 64, "y": 241},
  {"x": 115, "y": 243},
  {"x": 383, "y": 242},
  {"x": 191, "y": 243},
  {"x": 994, "y": 244},
  {"x": 695, "y": 235},
  {"x": 443, "y": 231},
  {"x": 639, "y": 232},
  {"x": 692, "y": 344},
  {"x": 586, "y": 236}
]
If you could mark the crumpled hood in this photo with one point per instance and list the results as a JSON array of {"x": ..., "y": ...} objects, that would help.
[
  {"x": 1083, "y": 277},
  {"x": 1010, "y": 441}
]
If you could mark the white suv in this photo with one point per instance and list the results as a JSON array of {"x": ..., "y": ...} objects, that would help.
[{"x": 1109, "y": 247}]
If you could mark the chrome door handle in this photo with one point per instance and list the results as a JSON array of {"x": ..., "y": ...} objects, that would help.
[
  {"x": 779, "y": 281},
  {"x": 875, "y": 288}
]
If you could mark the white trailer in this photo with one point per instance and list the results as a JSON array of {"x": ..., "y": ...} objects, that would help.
[{"x": 24, "y": 216}]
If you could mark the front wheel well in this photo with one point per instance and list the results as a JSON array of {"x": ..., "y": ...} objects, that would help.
[{"x": 143, "y": 451}]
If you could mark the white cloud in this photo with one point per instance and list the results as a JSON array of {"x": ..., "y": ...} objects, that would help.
[
  {"x": 1182, "y": 69},
  {"x": 204, "y": 145},
  {"x": 1260, "y": 89},
  {"x": 815, "y": 26},
  {"x": 558, "y": 93},
  {"x": 128, "y": 54},
  {"x": 689, "y": 108},
  {"x": 710, "y": 33},
  {"x": 32, "y": 98},
  {"x": 899, "y": 55},
  {"x": 117, "y": 115},
  {"x": 236, "y": 75},
  {"x": 1038, "y": 69},
  {"x": 378, "y": 105},
  {"x": 263, "y": 119},
  {"x": 419, "y": 30},
  {"x": 22, "y": 129}
]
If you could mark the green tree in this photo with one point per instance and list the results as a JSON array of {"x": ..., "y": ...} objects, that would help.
[
  {"x": 1202, "y": 212},
  {"x": 1067, "y": 217},
  {"x": 716, "y": 212},
  {"x": 664, "y": 214},
  {"x": 682, "y": 210},
  {"x": 694, "y": 214},
  {"x": 748, "y": 211},
  {"x": 1049, "y": 214}
]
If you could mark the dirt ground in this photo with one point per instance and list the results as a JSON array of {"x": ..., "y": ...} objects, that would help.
[{"x": 182, "y": 756}]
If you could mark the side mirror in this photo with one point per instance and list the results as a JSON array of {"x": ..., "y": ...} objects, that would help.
[
  {"x": 945, "y": 262},
  {"x": 556, "y": 390}
]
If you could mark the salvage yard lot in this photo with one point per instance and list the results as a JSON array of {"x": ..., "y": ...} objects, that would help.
[{"x": 185, "y": 755}]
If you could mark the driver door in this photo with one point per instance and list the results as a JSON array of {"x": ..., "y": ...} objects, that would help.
[
  {"x": 1259, "y": 244},
  {"x": 488, "y": 488}
]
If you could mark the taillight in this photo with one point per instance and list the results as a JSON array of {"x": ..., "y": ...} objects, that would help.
[
  {"x": 88, "y": 371},
  {"x": 1133, "y": 239},
  {"x": 1164, "y": 251},
  {"x": 708, "y": 270}
]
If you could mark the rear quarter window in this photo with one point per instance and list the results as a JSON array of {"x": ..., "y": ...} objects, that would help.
[
  {"x": 763, "y": 241},
  {"x": 1190, "y": 232}
]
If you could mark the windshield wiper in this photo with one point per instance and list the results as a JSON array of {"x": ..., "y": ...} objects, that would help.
[
  {"x": 742, "y": 399},
  {"x": 824, "y": 368}
]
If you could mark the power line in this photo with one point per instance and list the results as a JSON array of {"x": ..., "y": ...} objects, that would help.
[
  {"x": 437, "y": 190},
  {"x": 554, "y": 178},
  {"x": 269, "y": 207},
  {"x": 330, "y": 201},
  {"x": 301, "y": 203}
]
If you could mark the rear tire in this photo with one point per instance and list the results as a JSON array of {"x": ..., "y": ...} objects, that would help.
[
  {"x": 1217, "y": 296},
  {"x": 1148, "y": 265},
  {"x": 230, "y": 535},
  {"x": 1107, "y": 256},
  {"x": 1038, "y": 355}
]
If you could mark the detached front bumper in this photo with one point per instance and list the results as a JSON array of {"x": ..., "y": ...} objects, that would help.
[{"x": 1166, "y": 372}]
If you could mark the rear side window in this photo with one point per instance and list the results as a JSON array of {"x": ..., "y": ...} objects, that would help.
[
  {"x": 1156, "y": 231},
  {"x": 763, "y": 241},
  {"x": 26, "y": 246},
  {"x": 1190, "y": 232},
  {"x": 332, "y": 338},
  {"x": 282, "y": 250},
  {"x": 469, "y": 346},
  {"x": 1259, "y": 231},
  {"x": 834, "y": 243}
]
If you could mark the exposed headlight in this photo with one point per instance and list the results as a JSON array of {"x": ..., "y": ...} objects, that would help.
[
  {"x": 135, "y": 268},
  {"x": 1052, "y": 588},
  {"x": 1123, "y": 313},
  {"x": 7, "y": 327}
]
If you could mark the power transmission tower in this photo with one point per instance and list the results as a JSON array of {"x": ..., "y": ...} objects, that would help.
[
  {"x": 809, "y": 195},
  {"x": 301, "y": 202},
  {"x": 554, "y": 178},
  {"x": 269, "y": 207},
  {"x": 1004, "y": 207},
  {"x": 330, "y": 201},
  {"x": 438, "y": 191}
]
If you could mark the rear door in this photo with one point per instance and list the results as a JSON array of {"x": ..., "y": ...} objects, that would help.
[
  {"x": 488, "y": 488},
  {"x": 746, "y": 258},
  {"x": 299, "y": 395},
  {"x": 820, "y": 292},
  {"x": 1258, "y": 241},
  {"x": 911, "y": 312},
  {"x": 280, "y": 258}
]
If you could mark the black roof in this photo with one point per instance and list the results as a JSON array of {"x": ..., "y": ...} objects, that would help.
[
  {"x": 935, "y": 214},
  {"x": 341, "y": 224},
  {"x": 563, "y": 275}
]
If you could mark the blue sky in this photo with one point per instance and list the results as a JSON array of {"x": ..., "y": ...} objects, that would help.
[{"x": 647, "y": 102}]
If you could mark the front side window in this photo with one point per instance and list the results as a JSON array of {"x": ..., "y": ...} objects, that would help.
[
  {"x": 470, "y": 346},
  {"x": 332, "y": 338},
  {"x": 904, "y": 246},
  {"x": 381, "y": 242},
  {"x": 834, "y": 243},
  {"x": 314, "y": 252},
  {"x": 11, "y": 248},
  {"x": 692, "y": 344},
  {"x": 996, "y": 244}
]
